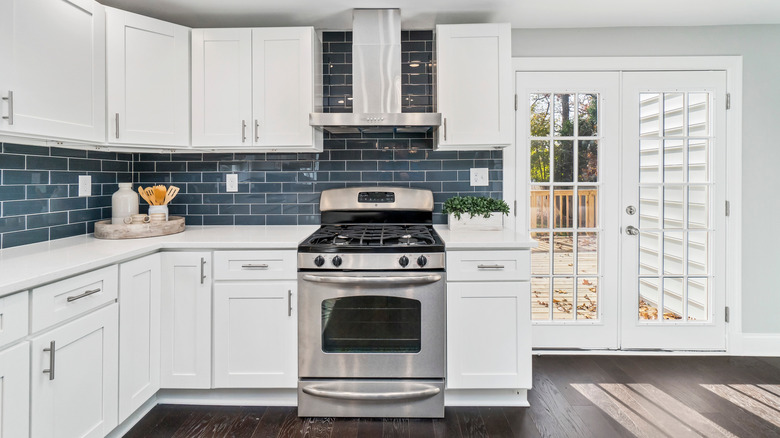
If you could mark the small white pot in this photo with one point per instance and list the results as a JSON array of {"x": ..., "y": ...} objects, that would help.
[{"x": 477, "y": 223}]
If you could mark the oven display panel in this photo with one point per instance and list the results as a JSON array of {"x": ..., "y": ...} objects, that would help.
[{"x": 376, "y": 197}]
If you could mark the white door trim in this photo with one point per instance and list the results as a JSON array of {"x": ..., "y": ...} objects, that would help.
[{"x": 732, "y": 65}]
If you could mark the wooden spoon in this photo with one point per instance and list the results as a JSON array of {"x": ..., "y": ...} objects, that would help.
[
  {"x": 172, "y": 192},
  {"x": 159, "y": 195},
  {"x": 150, "y": 195},
  {"x": 142, "y": 192}
]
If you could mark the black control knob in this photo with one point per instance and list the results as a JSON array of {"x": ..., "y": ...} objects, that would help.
[
  {"x": 422, "y": 261},
  {"x": 319, "y": 260},
  {"x": 336, "y": 261},
  {"x": 403, "y": 261}
]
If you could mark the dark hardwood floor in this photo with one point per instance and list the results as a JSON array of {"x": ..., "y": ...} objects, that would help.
[{"x": 573, "y": 396}]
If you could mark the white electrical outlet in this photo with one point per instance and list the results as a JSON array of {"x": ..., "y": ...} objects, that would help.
[
  {"x": 85, "y": 185},
  {"x": 232, "y": 182},
  {"x": 479, "y": 176}
]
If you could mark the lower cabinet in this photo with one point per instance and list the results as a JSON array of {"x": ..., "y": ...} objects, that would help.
[
  {"x": 15, "y": 391},
  {"x": 74, "y": 377},
  {"x": 255, "y": 334},
  {"x": 488, "y": 335},
  {"x": 185, "y": 309},
  {"x": 139, "y": 333}
]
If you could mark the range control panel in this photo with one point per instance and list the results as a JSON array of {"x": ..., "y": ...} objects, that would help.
[
  {"x": 376, "y": 197},
  {"x": 371, "y": 261}
]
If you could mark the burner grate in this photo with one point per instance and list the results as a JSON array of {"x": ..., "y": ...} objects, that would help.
[{"x": 372, "y": 235}]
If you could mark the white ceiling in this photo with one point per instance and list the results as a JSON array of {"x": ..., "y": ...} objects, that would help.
[{"x": 424, "y": 14}]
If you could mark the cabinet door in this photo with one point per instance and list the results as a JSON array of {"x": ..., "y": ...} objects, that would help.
[
  {"x": 221, "y": 87},
  {"x": 15, "y": 391},
  {"x": 185, "y": 309},
  {"x": 52, "y": 59},
  {"x": 488, "y": 335},
  {"x": 148, "y": 80},
  {"x": 139, "y": 333},
  {"x": 474, "y": 65},
  {"x": 74, "y": 377},
  {"x": 282, "y": 78},
  {"x": 255, "y": 335}
]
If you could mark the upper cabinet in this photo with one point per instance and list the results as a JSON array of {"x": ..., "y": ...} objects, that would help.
[
  {"x": 52, "y": 69},
  {"x": 148, "y": 80},
  {"x": 255, "y": 88},
  {"x": 474, "y": 68}
]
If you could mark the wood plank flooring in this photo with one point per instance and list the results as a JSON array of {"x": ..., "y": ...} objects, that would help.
[{"x": 573, "y": 396}]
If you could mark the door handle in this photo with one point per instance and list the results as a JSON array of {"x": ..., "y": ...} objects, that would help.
[
  {"x": 423, "y": 391},
  {"x": 632, "y": 231},
  {"x": 445, "y": 129},
  {"x": 51, "y": 351},
  {"x": 423, "y": 279},
  {"x": 202, "y": 269},
  {"x": 243, "y": 131},
  {"x": 85, "y": 294},
  {"x": 116, "y": 117},
  {"x": 289, "y": 302},
  {"x": 257, "y": 130},
  {"x": 254, "y": 266},
  {"x": 10, "y": 99}
]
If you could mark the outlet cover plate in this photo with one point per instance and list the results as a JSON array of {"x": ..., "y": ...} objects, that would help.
[
  {"x": 479, "y": 176},
  {"x": 232, "y": 182},
  {"x": 85, "y": 185}
]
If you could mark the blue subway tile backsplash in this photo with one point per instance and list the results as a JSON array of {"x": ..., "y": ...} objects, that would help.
[{"x": 39, "y": 185}]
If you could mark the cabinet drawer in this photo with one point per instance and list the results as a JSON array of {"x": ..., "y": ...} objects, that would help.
[
  {"x": 64, "y": 299},
  {"x": 488, "y": 265},
  {"x": 255, "y": 265},
  {"x": 14, "y": 316}
]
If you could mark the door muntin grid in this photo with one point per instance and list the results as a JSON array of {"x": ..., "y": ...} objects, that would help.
[
  {"x": 564, "y": 206},
  {"x": 675, "y": 194}
]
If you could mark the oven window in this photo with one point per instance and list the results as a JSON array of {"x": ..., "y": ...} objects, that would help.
[{"x": 371, "y": 324}]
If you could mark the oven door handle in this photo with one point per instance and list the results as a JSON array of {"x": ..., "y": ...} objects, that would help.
[
  {"x": 418, "y": 279},
  {"x": 425, "y": 391}
]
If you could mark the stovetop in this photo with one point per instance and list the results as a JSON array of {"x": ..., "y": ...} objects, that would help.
[{"x": 373, "y": 238}]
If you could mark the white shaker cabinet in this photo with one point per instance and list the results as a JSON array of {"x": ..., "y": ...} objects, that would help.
[
  {"x": 255, "y": 334},
  {"x": 255, "y": 88},
  {"x": 474, "y": 86},
  {"x": 139, "y": 332},
  {"x": 52, "y": 69},
  {"x": 185, "y": 353},
  {"x": 148, "y": 65},
  {"x": 74, "y": 377},
  {"x": 15, "y": 391}
]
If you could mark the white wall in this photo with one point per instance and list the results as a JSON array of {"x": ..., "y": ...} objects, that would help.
[{"x": 759, "y": 46}]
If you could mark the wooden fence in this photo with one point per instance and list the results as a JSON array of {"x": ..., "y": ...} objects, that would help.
[{"x": 563, "y": 205}]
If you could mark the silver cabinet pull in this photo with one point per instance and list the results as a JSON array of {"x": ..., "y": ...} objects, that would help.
[
  {"x": 257, "y": 130},
  {"x": 10, "y": 99},
  {"x": 289, "y": 302},
  {"x": 490, "y": 266},
  {"x": 85, "y": 294},
  {"x": 253, "y": 266},
  {"x": 116, "y": 119},
  {"x": 423, "y": 279},
  {"x": 424, "y": 391},
  {"x": 202, "y": 270},
  {"x": 51, "y": 352},
  {"x": 445, "y": 129},
  {"x": 632, "y": 231},
  {"x": 243, "y": 131}
]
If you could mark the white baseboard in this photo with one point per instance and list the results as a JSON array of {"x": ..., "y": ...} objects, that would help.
[
  {"x": 486, "y": 397},
  {"x": 229, "y": 397},
  {"x": 760, "y": 344}
]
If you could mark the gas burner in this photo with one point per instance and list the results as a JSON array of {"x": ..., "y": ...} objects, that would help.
[{"x": 407, "y": 239}]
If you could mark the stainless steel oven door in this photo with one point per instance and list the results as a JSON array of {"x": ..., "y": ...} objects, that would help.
[{"x": 368, "y": 324}]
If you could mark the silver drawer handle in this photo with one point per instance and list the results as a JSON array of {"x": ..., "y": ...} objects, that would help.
[
  {"x": 85, "y": 294},
  {"x": 254, "y": 266},
  {"x": 385, "y": 280},
  {"x": 490, "y": 266},
  {"x": 202, "y": 270},
  {"x": 10, "y": 99},
  {"x": 116, "y": 116},
  {"x": 51, "y": 352},
  {"x": 289, "y": 302},
  {"x": 243, "y": 131},
  {"x": 424, "y": 392}
]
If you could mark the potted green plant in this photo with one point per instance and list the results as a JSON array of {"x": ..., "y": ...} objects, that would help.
[{"x": 475, "y": 213}]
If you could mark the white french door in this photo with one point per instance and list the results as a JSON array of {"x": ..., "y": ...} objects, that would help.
[
  {"x": 673, "y": 212},
  {"x": 623, "y": 172},
  {"x": 570, "y": 121}
]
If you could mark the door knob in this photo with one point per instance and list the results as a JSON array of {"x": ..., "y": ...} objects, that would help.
[
  {"x": 631, "y": 210},
  {"x": 632, "y": 231}
]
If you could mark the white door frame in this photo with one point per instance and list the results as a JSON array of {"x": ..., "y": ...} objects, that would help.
[{"x": 732, "y": 65}]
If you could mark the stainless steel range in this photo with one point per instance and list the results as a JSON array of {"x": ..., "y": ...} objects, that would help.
[{"x": 372, "y": 302}]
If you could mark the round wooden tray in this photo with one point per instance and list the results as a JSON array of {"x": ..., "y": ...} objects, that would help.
[{"x": 106, "y": 230}]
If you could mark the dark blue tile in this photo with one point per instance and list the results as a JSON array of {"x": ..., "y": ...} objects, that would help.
[
  {"x": 425, "y": 165},
  {"x": 259, "y": 166},
  {"x": 202, "y": 166},
  {"x": 447, "y": 175},
  {"x": 79, "y": 164},
  {"x": 361, "y": 165},
  {"x": 278, "y": 198},
  {"x": 298, "y": 209},
  {"x": 8, "y": 161},
  {"x": 218, "y": 198},
  {"x": 182, "y": 177},
  {"x": 377, "y": 155},
  {"x": 46, "y": 191},
  {"x": 250, "y": 220},
  {"x": 393, "y": 165},
  {"x": 103, "y": 177},
  {"x": 280, "y": 176},
  {"x": 99, "y": 201},
  {"x": 345, "y": 155},
  {"x": 25, "y": 177},
  {"x": 115, "y": 166},
  {"x": 217, "y": 220},
  {"x": 274, "y": 219},
  {"x": 298, "y": 187},
  {"x": 378, "y": 176},
  {"x": 308, "y": 198},
  {"x": 193, "y": 220},
  {"x": 13, "y": 208},
  {"x": 251, "y": 177},
  {"x": 171, "y": 166},
  {"x": 143, "y": 166},
  {"x": 345, "y": 176},
  {"x": 266, "y": 209},
  {"x": 218, "y": 156},
  {"x": 178, "y": 210},
  {"x": 154, "y": 157},
  {"x": 457, "y": 164},
  {"x": 187, "y": 157},
  {"x": 331, "y": 165},
  {"x": 101, "y": 155},
  {"x": 11, "y": 148},
  {"x": 408, "y": 176},
  {"x": 155, "y": 178},
  {"x": 46, "y": 220},
  {"x": 233, "y": 209},
  {"x": 71, "y": 230},
  {"x": 67, "y": 204},
  {"x": 213, "y": 177},
  {"x": 250, "y": 198},
  {"x": 265, "y": 187},
  {"x": 202, "y": 188},
  {"x": 293, "y": 166},
  {"x": 62, "y": 152},
  {"x": 25, "y": 237},
  {"x": 202, "y": 209},
  {"x": 320, "y": 186},
  {"x": 10, "y": 193},
  {"x": 186, "y": 198},
  {"x": 459, "y": 186},
  {"x": 309, "y": 219},
  {"x": 92, "y": 214},
  {"x": 11, "y": 224}
]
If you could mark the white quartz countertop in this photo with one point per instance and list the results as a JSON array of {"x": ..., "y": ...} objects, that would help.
[{"x": 40, "y": 263}]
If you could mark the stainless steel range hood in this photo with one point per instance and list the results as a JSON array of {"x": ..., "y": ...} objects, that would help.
[{"x": 376, "y": 80}]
